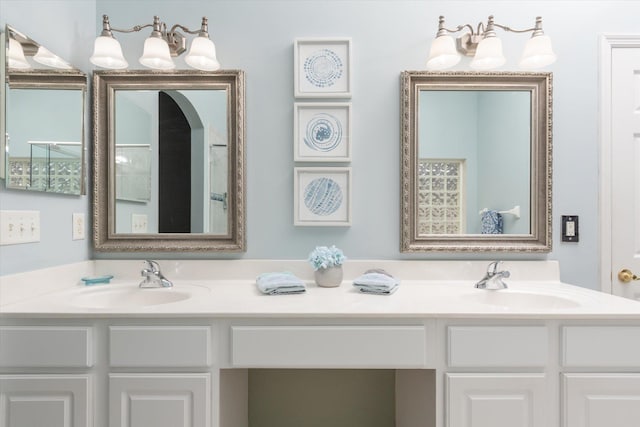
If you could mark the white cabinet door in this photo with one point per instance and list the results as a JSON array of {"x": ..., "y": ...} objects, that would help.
[
  {"x": 45, "y": 401},
  {"x": 601, "y": 400},
  {"x": 498, "y": 400},
  {"x": 159, "y": 400}
]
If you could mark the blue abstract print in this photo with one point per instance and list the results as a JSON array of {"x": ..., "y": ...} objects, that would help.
[{"x": 323, "y": 196}]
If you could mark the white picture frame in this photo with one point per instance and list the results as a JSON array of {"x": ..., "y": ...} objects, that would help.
[
  {"x": 322, "y": 132},
  {"x": 322, "y": 196},
  {"x": 322, "y": 67}
]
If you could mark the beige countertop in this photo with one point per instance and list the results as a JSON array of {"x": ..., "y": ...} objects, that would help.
[{"x": 227, "y": 289}]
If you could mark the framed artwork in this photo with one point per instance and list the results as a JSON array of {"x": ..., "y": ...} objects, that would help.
[
  {"x": 322, "y": 132},
  {"x": 322, "y": 196},
  {"x": 322, "y": 68}
]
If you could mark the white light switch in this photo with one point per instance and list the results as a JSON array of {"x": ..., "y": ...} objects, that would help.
[
  {"x": 138, "y": 223},
  {"x": 77, "y": 222},
  {"x": 19, "y": 227}
]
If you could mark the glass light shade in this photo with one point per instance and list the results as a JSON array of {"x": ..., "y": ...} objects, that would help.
[
  {"x": 156, "y": 54},
  {"x": 107, "y": 53},
  {"x": 443, "y": 54},
  {"x": 45, "y": 57},
  {"x": 537, "y": 53},
  {"x": 16, "y": 55},
  {"x": 488, "y": 54},
  {"x": 202, "y": 55}
]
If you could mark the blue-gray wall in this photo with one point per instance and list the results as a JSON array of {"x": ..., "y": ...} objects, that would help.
[
  {"x": 388, "y": 37},
  {"x": 67, "y": 28}
]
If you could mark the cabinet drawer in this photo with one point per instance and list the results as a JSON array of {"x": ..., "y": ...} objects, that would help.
[
  {"x": 159, "y": 346},
  {"x": 43, "y": 346},
  {"x": 328, "y": 346},
  {"x": 601, "y": 346},
  {"x": 497, "y": 346}
]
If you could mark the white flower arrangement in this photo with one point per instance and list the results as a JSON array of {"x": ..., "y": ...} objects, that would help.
[{"x": 325, "y": 257}]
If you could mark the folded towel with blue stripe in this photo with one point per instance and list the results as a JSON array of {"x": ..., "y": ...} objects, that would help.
[
  {"x": 280, "y": 283},
  {"x": 376, "y": 281}
]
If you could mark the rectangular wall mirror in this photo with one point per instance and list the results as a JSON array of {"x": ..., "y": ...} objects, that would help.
[
  {"x": 169, "y": 161},
  {"x": 43, "y": 118},
  {"x": 476, "y": 161}
]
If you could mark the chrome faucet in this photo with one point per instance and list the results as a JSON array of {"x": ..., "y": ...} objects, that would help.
[
  {"x": 492, "y": 280},
  {"x": 153, "y": 277}
]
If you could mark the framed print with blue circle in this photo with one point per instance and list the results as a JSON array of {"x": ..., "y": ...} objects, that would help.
[
  {"x": 322, "y": 196},
  {"x": 322, "y": 132},
  {"x": 322, "y": 68}
]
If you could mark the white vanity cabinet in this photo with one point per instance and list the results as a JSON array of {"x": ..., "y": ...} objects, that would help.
[
  {"x": 175, "y": 372},
  {"x": 504, "y": 383},
  {"x": 170, "y": 385},
  {"x": 601, "y": 382},
  {"x": 53, "y": 397}
]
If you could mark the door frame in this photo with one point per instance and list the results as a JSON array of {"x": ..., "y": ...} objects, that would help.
[{"x": 607, "y": 42}]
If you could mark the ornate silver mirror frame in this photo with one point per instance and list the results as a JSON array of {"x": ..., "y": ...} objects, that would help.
[
  {"x": 105, "y": 86},
  {"x": 539, "y": 85}
]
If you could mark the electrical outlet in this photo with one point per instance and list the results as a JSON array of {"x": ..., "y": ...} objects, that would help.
[
  {"x": 18, "y": 227},
  {"x": 77, "y": 224},
  {"x": 138, "y": 223}
]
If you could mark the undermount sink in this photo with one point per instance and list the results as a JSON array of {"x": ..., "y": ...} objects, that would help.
[
  {"x": 511, "y": 299},
  {"x": 129, "y": 296}
]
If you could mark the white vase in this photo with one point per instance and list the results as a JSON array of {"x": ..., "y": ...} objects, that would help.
[{"x": 329, "y": 277}]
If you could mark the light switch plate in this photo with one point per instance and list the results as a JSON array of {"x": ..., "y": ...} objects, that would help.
[
  {"x": 570, "y": 228},
  {"x": 78, "y": 230},
  {"x": 139, "y": 223},
  {"x": 18, "y": 227}
]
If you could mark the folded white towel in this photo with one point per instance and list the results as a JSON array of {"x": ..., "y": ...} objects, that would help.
[
  {"x": 376, "y": 282},
  {"x": 280, "y": 283}
]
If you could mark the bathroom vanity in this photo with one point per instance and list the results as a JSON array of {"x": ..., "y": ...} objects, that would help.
[{"x": 539, "y": 354}]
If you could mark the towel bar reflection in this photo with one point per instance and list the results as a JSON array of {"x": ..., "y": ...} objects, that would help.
[
  {"x": 515, "y": 211},
  {"x": 218, "y": 197}
]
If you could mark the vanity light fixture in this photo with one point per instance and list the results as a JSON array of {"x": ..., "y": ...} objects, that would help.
[
  {"x": 486, "y": 47},
  {"x": 159, "y": 47},
  {"x": 16, "y": 55},
  {"x": 45, "y": 57}
]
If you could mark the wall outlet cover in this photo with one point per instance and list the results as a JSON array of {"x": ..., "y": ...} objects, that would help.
[{"x": 78, "y": 226}]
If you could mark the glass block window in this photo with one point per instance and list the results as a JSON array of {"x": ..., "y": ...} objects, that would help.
[
  {"x": 55, "y": 175},
  {"x": 440, "y": 196}
]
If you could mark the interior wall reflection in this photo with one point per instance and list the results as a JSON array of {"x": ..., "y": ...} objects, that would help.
[
  {"x": 140, "y": 156},
  {"x": 493, "y": 148},
  {"x": 43, "y": 120}
]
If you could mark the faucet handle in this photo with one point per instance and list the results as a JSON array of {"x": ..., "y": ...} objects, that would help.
[
  {"x": 151, "y": 265},
  {"x": 492, "y": 268}
]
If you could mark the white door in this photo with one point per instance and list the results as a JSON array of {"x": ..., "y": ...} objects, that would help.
[
  {"x": 601, "y": 400},
  {"x": 498, "y": 400},
  {"x": 621, "y": 166}
]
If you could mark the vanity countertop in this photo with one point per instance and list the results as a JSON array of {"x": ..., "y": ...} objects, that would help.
[{"x": 219, "y": 290}]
